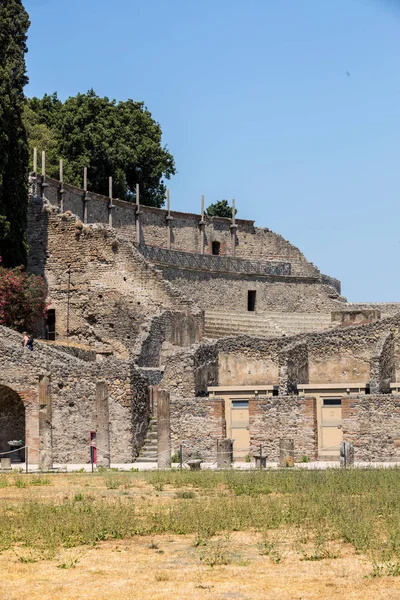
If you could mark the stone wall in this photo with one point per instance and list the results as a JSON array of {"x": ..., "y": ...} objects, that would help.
[
  {"x": 273, "y": 418},
  {"x": 73, "y": 392},
  {"x": 165, "y": 331},
  {"x": 293, "y": 367},
  {"x": 334, "y": 356},
  {"x": 230, "y": 291},
  {"x": 252, "y": 242},
  {"x": 383, "y": 365},
  {"x": 387, "y": 309},
  {"x": 197, "y": 423},
  {"x": 102, "y": 290},
  {"x": 372, "y": 424}
]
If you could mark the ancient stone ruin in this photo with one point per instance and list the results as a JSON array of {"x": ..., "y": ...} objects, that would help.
[{"x": 170, "y": 332}]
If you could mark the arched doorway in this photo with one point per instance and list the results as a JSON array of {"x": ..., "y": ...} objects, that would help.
[{"x": 12, "y": 420}]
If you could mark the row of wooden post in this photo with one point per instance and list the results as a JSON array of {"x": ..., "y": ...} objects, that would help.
[{"x": 169, "y": 218}]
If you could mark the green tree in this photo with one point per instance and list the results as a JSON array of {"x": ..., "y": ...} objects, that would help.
[
  {"x": 110, "y": 138},
  {"x": 220, "y": 209},
  {"x": 14, "y": 157}
]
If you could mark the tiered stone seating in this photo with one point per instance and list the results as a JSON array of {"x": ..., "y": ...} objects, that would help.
[{"x": 225, "y": 324}]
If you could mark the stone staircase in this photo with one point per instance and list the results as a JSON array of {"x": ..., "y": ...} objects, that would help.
[
  {"x": 148, "y": 453},
  {"x": 219, "y": 324},
  {"x": 294, "y": 323}
]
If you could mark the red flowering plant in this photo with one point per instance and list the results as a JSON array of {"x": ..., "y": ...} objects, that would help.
[{"x": 22, "y": 298}]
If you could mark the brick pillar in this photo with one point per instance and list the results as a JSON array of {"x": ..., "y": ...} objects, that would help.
[
  {"x": 102, "y": 425},
  {"x": 45, "y": 425},
  {"x": 224, "y": 454},
  {"x": 164, "y": 430},
  {"x": 31, "y": 403},
  {"x": 286, "y": 453}
]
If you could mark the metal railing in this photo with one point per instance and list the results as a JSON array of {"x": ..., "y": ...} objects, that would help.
[{"x": 206, "y": 262}]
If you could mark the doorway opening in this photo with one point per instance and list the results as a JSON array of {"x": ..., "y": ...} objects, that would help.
[
  {"x": 12, "y": 424},
  {"x": 51, "y": 325},
  {"x": 251, "y": 300},
  {"x": 216, "y": 248}
]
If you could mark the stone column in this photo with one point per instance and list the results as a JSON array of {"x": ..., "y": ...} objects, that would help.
[
  {"x": 164, "y": 430},
  {"x": 85, "y": 198},
  {"x": 102, "y": 425},
  {"x": 202, "y": 225},
  {"x": 45, "y": 425},
  {"x": 286, "y": 453},
  {"x": 110, "y": 202},
  {"x": 169, "y": 220},
  {"x": 137, "y": 215},
  {"x": 224, "y": 454},
  {"x": 61, "y": 190},
  {"x": 346, "y": 455},
  {"x": 34, "y": 190},
  {"x": 233, "y": 228},
  {"x": 43, "y": 184}
]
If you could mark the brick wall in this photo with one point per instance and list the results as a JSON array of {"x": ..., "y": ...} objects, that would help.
[
  {"x": 372, "y": 424},
  {"x": 255, "y": 243},
  {"x": 283, "y": 417},
  {"x": 197, "y": 423}
]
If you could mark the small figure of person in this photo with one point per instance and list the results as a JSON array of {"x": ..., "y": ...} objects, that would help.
[{"x": 27, "y": 341}]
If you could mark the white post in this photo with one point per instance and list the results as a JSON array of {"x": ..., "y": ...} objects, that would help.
[
  {"x": 168, "y": 219},
  {"x": 43, "y": 163},
  {"x": 35, "y": 160},
  {"x": 110, "y": 204},
  {"x": 85, "y": 196},
  {"x": 202, "y": 227},
  {"x": 137, "y": 214},
  {"x": 233, "y": 228}
]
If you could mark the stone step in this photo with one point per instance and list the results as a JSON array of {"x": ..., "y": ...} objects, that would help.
[
  {"x": 242, "y": 328},
  {"x": 145, "y": 459}
]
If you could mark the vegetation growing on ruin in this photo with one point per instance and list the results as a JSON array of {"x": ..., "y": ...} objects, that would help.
[
  {"x": 22, "y": 298},
  {"x": 110, "y": 138},
  {"x": 220, "y": 209}
]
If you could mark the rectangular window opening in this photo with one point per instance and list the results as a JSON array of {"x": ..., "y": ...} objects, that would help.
[
  {"x": 332, "y": 402},
  {"x": 216, "y": 248},
  {"x": 240, "y": 404},
  {"x": 251, "y": 300},
  {"x": 51, "y": 325}
]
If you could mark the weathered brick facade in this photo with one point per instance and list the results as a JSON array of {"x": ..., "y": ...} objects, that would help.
[
  {"x": 283, "y": 417},
  {"x": 372, "y": 424}
]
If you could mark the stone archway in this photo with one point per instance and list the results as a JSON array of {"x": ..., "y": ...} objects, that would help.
[{"x": 12, "y": 417}]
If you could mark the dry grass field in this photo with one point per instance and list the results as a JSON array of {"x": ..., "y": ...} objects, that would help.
[{"x": 228, "y": 535}]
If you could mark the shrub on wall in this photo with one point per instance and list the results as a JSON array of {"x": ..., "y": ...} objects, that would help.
[{"x": 22, "y": 298}]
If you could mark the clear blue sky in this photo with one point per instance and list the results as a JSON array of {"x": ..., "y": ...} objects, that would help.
[{"x": 255, "y": 103}]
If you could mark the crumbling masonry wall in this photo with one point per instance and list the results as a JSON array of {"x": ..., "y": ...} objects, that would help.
[
  {"x": 72, "y": 385},
  {"x": 372, "y": 424},
  {"x": 293, "y": 367},
  {"x": 383, "y": 365},
  {"x": 103, "y": 291},
  {"x": 197, "y": 423},
  {"x": 252, "y": 242},
  {"x": 283, "y": 417}
]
